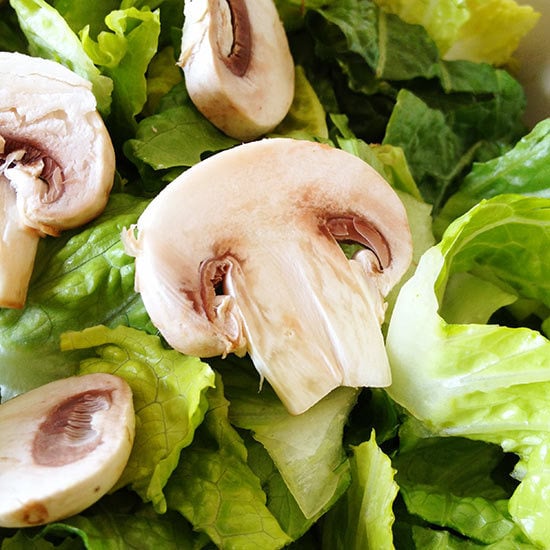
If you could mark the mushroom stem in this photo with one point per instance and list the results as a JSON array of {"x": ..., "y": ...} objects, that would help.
[{"x": 18, "y": 244}]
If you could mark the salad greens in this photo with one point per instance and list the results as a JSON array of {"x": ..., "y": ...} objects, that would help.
[{"x": 454, "y": 454}]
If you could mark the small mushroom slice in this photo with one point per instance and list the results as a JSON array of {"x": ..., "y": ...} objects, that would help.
[
  {"x": 62, "y": 447},
  {"x": 240, "y": 254},
  {"x": 57, "y": 162},
  {"x": 238, "y": 68}
]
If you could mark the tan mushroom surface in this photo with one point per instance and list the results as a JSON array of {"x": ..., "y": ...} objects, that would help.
[
  {"x": 57, "y": 162},
  {"x": 238, "y": 68},
  {"x": 240, "y": 255},
  {"x": 62, "y": 447}
]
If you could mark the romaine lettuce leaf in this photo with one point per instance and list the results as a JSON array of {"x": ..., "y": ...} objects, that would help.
[
  {"x": 480, "y": 381},
  {"x": 123, "y": 53},
  {"x": 50, "y": 36},
  {"x": 81, "y": 279},
  {"x": 363, "y": 519},
  {"x": 442, "y": 19},
  {"x": 307, "y": 448},
  {"x": 493, "y": 31},
  {"x": 524, "y": 169},
  {"x": 168, "y": 390},
  {"x": 215, "y": 489},
  {"x": 460, "y": 485}
]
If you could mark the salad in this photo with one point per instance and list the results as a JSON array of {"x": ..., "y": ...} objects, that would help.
[{"x": 455, "y": 452}]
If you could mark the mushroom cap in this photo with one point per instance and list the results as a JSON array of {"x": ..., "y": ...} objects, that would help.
[
  {"x": 238, "y": 68},
  {"x": 63, "y": 446},
  {"x": 50, "y": 112},
  {"x": 239, "y": 254}
]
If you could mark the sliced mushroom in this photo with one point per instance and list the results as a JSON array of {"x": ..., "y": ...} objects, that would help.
[
  {"x": 62, "y": 447},
  {"x": 240, "y": 254},
  {"x": 57, "y": 162},
  {"x": 238, "y": 67}
]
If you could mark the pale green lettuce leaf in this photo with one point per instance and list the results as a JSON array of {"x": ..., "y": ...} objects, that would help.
[
  {"x": 169, "y": 398},
  {"x": 482, "y": 381},
  {"x": 363, "y": 518},
  {"x": 307, "y": 449},
  {"x": 123, "y": 53},
  {"x": 216, "y": 490},
  {"x": 442, "y": 19},
  {"x": 493, "y": 31},
  {"x": 51, "y": 37},
  {"x": 306, "y": 118}
]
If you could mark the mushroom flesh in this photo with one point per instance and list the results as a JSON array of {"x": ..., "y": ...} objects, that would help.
[
  {"x": 63, "y": 445},
  {"x": 238, "y": 68},
  {"x": 57, "y": 162},
  {"x": 240, "y": 255}
]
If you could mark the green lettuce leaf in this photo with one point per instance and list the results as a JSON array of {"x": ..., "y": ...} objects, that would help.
[
  {"x": 482, "y": 381},
  {"x": 307, "y": 448},
  {"x": 168, "y": 390},
  {"x": 79, "y": 14},
  {"x": 215, "y": 489},
  {"x": 51, "y": 37},
  {"x": 81, "y": 279},
  {"x": 363, "y": 519},
  {"x": 524, "y": 169},
  {"x": 123, "y": 53},
  {"x": 175, "y": 137},
  {"x": 460, "y": 485},
  {"x": 12, "y": 38}
]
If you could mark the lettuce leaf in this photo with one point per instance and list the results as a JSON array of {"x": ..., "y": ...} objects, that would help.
[
  {"x": 81, "y": 279},
  {"x": 51, "y": 37},
  {"x": 524, "y": 169},
  {"x": 215, "y": 489},
  {"x": 168, "y": 390},
  {"x": 363, "y": 519},
  {"x": 493, "y": 31},
  {"x": 442, "y": 20},
  {"x": 482, "y": 381},
  {"x": 123, "y": 53},
  {"x": 307, "y": 448}
]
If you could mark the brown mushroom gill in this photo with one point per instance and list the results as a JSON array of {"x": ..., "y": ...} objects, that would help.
[
  {"x": 67, "y": 433},
  {"x": 237, "y": 59}
]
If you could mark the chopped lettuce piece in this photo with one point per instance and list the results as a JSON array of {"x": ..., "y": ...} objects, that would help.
[
  {"x": 442, "y": 19},
  {"x": 460, "y": 485},
  {"x": 168, "y": 389},
  {"x": 306, "y": 118},
  {"x": 307, "y": 448},
  {"x": 123, "y": 53},
  {"x": 50, "y": 36},
  {"x": 493, "y": 31},
  {"x": 176, "y": 136},
  {"x": 80, "y": 279},
  {"x": 480, "y": 381},
  {"x": 363, "y": 519},
  {"x": 524, "y": 169},
  {"x": 215, "y": 489}
]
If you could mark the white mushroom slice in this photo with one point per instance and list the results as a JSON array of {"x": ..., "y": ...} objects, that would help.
[
  {"x": 239, "y": 254},
  {"x": 57, "y": 162},
  {"x": 62, "y": 447},
  {"x": 239, "y": 71}
]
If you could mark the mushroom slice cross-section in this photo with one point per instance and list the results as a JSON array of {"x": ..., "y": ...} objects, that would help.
[
  {"x": 240, "y": 255},
  {"x": 57, "y": 162},
  {"x": 62, "y": 447},
  {"x": 238, "y": 68}
]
